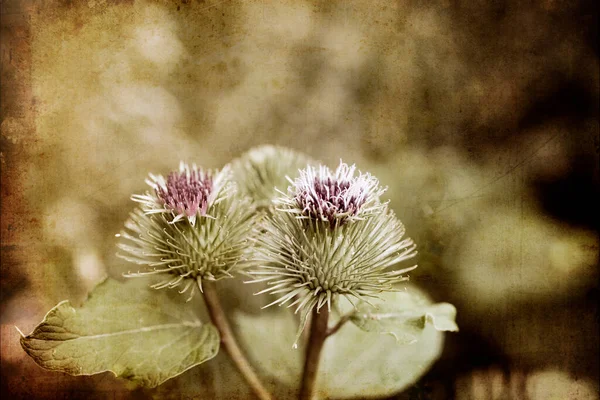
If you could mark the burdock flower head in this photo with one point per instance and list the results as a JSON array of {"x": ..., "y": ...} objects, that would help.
[
  {"x": 331, "y": 235},
  {"x": 191, "y": 226}
]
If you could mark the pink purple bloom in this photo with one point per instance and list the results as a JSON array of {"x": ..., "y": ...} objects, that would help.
[
  {"x": 336, "y": 197},
  {"x": 186, "y": 192}
]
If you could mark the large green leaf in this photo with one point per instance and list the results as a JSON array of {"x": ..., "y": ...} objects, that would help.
[
  {"x": 405, "y": 318},
  {"x": 354, "y": 363},
  {"x": 138, "y": 333}
]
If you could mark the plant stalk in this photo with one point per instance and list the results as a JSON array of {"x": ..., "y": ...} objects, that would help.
[
  {"x": 316, "y": 340},
  {"x": 217, "y": 315}
]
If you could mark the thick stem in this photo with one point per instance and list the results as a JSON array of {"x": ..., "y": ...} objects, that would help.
[
  {"x": 316, "y": 339},
  {"x": 218, "y": 318}
]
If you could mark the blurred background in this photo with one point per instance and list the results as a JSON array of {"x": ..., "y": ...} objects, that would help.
[{"x": 481, "y": 118}]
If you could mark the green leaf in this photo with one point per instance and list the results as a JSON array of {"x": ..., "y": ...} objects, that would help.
[
  {"x": 267, "y": 338},
  {"x": 145, "y": 335},
  {"x": 405, "y": 318},
  {"x": 354, "y": 363}
]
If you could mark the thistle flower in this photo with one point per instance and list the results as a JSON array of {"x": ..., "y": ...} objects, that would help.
[
  {"x": 330, "y": 236},
  {"x": 336, "y": 198},
  {"x": 192, "y": 226},
  {"x": 186, "y": 193},
  {"x": 263, "y": 169}
]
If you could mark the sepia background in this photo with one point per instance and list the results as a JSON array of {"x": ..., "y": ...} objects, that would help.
[{"x": 481, "y": 118}]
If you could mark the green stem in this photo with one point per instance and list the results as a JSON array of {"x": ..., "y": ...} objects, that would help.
[
  {"x": 316, "y": 340},
  {"x": 217, "y": 315},
  {"x": 341, "y": 322}
]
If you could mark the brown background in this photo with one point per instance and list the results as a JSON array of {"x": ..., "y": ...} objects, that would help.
[{"x": 481, "y": 117}]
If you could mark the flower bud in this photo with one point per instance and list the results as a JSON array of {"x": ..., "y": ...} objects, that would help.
[
  {"x": 192, "y": 226},
  {"x": 262, "y": 170},
  {"x": 330, "y": 235}
]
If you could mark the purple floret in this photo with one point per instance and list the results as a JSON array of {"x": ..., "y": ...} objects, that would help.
[
  {"x": 329, "y": 199},
  {"x": 187, "y": 192}
]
